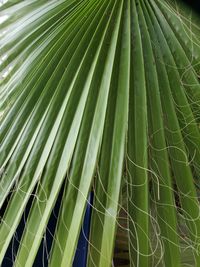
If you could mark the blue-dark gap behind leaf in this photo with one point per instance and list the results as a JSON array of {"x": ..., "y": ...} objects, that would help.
[
  {"x": 45, "y": 246},
  {"x": 42, "y": 255},
  {"x": 80, "y": 259},
  {"x": 14, "y": 244}
]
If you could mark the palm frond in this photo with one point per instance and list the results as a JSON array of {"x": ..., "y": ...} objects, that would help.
[{"x": 100, "y": 96}]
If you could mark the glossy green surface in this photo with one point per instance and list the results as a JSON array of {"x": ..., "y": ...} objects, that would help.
[{"x": 105, "y": 96}]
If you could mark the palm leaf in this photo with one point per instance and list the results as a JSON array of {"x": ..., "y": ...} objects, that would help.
[{"x": 100, "y": 96}]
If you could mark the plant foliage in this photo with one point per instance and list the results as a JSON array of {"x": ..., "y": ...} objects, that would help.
[{"x": 101, "y": 96}]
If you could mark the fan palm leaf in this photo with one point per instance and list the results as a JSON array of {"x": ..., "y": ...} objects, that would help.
[{"x": 100, "y": 96}]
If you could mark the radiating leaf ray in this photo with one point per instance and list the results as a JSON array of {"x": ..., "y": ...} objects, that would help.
[
  {"x": 107, "y": 188},
  {"x": 138, "y": 207},
  {"x": 177, "y": 152},
  {"x": 161, "y": 174}
]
